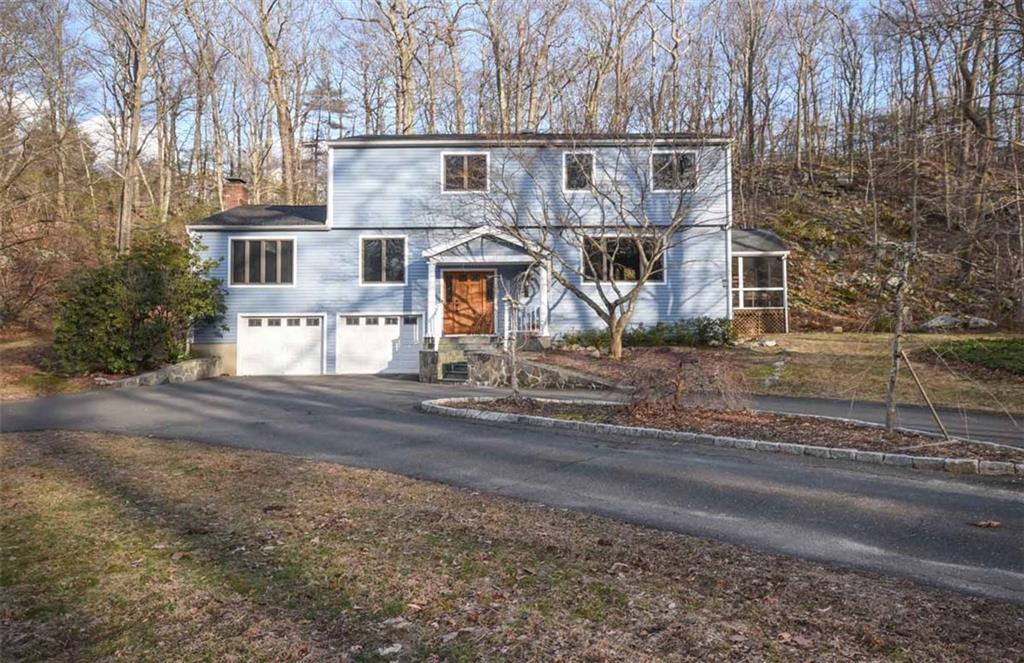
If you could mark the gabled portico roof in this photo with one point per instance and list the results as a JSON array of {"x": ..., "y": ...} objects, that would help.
[{"x": 512, "y": 249}]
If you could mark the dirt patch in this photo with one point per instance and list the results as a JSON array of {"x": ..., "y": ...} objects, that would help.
[
  {"x": 754, "y": 425},
  {"x": 27, "y": 369},
  {"x": 129, "y": 548}
]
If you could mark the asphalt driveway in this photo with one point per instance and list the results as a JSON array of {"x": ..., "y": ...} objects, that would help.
[{"x": 896, "y": 521}]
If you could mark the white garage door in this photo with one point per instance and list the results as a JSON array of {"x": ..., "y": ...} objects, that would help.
[
  {"x": 378, "y": 344},
  {"x": 280, "y": 345}
]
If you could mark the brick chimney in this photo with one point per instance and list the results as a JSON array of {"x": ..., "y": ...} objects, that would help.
[{"x": 235, "y": 192}]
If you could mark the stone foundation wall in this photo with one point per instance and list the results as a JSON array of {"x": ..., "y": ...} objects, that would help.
[
  {"x": 490, "y": 369},
  {"x": 224, "y": 351}
]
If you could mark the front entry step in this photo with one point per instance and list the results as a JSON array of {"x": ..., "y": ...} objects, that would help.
[{"x": 470, "y": 343}]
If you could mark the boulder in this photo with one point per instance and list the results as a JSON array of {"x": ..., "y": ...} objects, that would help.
[
  {"x": 979, "y": 323},
  {"x": 950, "y": 322},
  {"x": 942, "y": 323}
]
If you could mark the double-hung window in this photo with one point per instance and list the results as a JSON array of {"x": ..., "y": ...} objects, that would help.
[
  {"x": 674, "y": 171},
  {"x": 577, "y": 171},
  {"x": 465, "y": 172},
  {"x": 262, "y": 262},
  {"x": 383, "y": 260},
  {"x": 621, "y": 259}
]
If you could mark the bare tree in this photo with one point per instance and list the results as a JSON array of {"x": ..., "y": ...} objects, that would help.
[
  {"x": 132, "y": 32},
  {"x": 605, "y": 248}
]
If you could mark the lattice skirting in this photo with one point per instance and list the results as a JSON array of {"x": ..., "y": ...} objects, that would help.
[{"x": 754, "y": 322}]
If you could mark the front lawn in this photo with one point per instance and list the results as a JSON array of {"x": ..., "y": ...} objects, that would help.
[
  {"x": 845, "y": 366},
  {"x": 128, "y": 548}
]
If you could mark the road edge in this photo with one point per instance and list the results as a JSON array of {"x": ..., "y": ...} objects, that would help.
[{"x": 958, "y": 466}]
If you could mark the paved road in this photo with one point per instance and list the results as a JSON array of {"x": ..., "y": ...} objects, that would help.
[
  {"x": 891, "y": 520},
  {"x": 1005, "y": 429}
]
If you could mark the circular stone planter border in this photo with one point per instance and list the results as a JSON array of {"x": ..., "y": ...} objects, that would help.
[{"x": 449, "y": 407}]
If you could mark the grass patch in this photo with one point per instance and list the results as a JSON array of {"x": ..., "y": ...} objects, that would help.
[
  {"x": 119, "y": 547},
  {"x": 998, "y": 354},
  {"x": 856, "y": 366}
]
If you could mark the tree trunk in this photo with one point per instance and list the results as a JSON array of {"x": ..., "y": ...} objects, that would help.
[{"x": 896, "y": 349}]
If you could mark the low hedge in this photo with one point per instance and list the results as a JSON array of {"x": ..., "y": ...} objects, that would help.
[{"x": 691, "y": 332}]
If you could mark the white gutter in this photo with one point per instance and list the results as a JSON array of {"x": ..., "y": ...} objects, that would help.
[
  {"x": 191, "y": 229},
  {"x": 525, "y": 140}
]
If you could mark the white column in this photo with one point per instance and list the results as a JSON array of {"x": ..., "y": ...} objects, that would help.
[
  {"x": 785, "y": 290},
  {"x": 431, "y": 322},
  {"x": 506, "y": 324},
  {"x": 544, "y": 285}
]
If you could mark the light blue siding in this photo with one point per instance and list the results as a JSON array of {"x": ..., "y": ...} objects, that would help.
[
  {"x": 395, "y": 191},
  {"x": 401, "y": 187}
]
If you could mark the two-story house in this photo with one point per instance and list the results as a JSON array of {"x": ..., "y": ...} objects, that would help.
[{"x": 422, "y": 236}]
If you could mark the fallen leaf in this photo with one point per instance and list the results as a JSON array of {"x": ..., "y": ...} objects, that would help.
[{"x": 987, "y": 523}]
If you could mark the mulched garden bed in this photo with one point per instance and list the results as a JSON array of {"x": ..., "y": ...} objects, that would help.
[{"x": 754, "y": 425}]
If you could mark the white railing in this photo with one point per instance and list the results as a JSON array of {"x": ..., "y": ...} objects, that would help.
[{"x": 528, "y": 321}]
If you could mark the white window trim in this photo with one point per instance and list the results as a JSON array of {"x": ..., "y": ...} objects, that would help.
[
  {"x": 385, "y": 284},
  {"x": 593, "y": 169},
  {"x": 596, "y": 283},
  {"x": 323, "y": 331},
  {"x": 493, "y": 271},
  {"x": 295, "y": 261},
  {"x": 464, "y": 153},
  {"x": 696, "y": 170}
]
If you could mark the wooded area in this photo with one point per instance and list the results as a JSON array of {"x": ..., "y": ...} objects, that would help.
[{"x": 123, "y": 116}]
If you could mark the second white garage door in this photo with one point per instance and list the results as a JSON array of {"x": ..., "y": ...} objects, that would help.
[
  {"x": 280, "y": 345},
  {"x": 375, "y": 344}
]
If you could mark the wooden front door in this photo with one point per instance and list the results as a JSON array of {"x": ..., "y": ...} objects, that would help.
[{"x": 469, "y": 302}]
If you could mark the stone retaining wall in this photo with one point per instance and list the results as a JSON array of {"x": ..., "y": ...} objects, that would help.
[
  {"x": 190, "y": 370},
  {"x": 490, "y": 369}
]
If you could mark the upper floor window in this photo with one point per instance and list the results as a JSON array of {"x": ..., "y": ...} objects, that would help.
[
  {"x": 262, "y": 262},
  {"x": 674, "y": 171},
  {"x": 383, "y": 259},
  {"x": 621, "y": 259},
  {"x": 577, "y": 171},
  {"x": 465, "y": 172}
]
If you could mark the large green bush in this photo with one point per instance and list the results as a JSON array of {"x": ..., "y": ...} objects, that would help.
[
  {"x": 134, "y": 312},
  {"x": 692, "y": 332}
]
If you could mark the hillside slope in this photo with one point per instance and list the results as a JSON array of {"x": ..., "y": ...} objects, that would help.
[{"x": 833, "y": 223}]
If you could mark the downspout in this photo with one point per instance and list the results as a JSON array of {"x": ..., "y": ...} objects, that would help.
[{"x": 728, "y": 231}]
